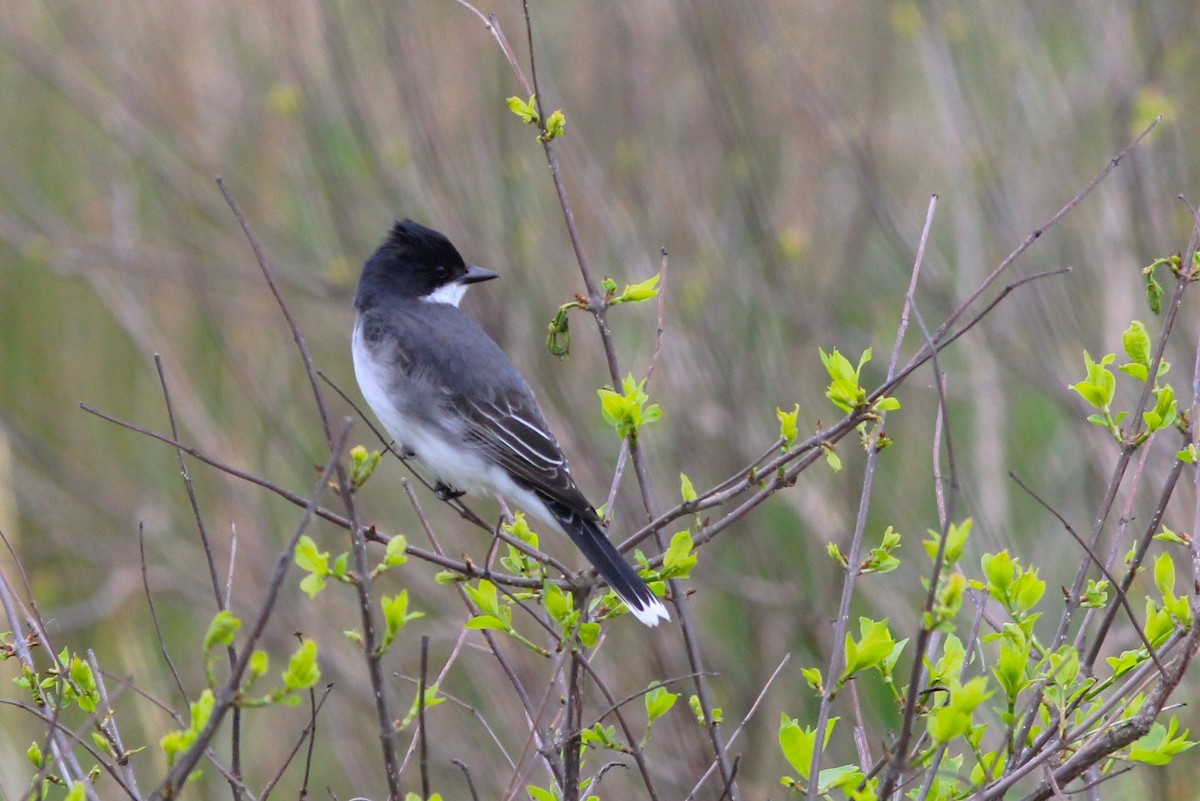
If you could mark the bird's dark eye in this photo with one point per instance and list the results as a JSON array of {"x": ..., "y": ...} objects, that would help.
[{"x": 440, "y": 270}]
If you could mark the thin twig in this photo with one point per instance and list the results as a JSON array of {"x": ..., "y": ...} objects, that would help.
[
  {"x": 464, "y": 568},
  {"x": 162, "y": 643},
  {"x": 424, "y": 759},
  {"x": 307, "y": 734},
  {"x": 269, "y": 277},
  {"x": 854, "y": 556},
  {"x": 1121, "y": 597},
  {"x": 222, "y": 598},
  {"x": 227, "y": 694}
]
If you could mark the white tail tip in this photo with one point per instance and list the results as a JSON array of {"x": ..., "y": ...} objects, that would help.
[{"x": 650, "y": 613}]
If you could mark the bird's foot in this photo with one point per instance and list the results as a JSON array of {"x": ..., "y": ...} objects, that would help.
[{"x": 445, "y": 492}]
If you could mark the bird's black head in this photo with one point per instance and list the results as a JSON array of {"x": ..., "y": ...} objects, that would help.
[{"x": 416, "y": 262}]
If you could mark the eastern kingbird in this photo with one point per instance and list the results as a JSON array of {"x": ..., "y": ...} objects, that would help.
[{"x": 448, "y": 394}]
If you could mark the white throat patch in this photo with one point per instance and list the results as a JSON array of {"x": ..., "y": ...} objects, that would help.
[{"x": 450, "y": 293}]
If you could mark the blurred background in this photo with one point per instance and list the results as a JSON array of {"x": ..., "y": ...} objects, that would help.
[{"x": 783, "y": 152}]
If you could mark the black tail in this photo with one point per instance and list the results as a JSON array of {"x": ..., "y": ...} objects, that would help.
[{"x": 584, "y": 530}]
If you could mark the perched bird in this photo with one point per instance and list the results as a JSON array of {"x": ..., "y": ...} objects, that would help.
[{"x": 447, "y": 393}]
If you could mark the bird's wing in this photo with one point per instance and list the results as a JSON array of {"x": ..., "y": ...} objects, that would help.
[
  {"x": 511, "y": 429},
  {"x": 502, "y": 420}
]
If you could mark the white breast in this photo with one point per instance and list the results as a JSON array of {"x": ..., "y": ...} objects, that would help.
[{"x": 440, "y": 448}]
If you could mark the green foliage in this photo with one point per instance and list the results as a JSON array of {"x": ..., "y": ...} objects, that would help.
[
  {"x": 881, "y": 559},
  {"x": 516, "y": 560},
  {"x": 956, "y": 541},
  {"x": 175, "y": 743},
  {"x": 698, "y": 711},
  {"x": 635, "y": 293},
  {"x": 221, "y": 631},
  {"x": 788, "y": 430},
  {"x": 1160, "y": 744},
  {"x": 302, "y": 670},
  {"x": 955, "y": 717},
  {"x": 686, "y": 490},
  {"x": 525, "y": 109},
  {"x": 558, "y": 337},
  {"x": 1099, "y": 388},
  {"x": 313, "y": 561},
  {"x": 362, "y": 466},
  {"x": 496, "y": 614},
  {"x": 680, "y": 556},
  {"x": 626, "y": 411},
  {"x": 658, "y": 701},
  {"x": 432, "y": 699},
  {"x": 874, "y": 646},
  {"x": 845, "y": 387},
  {"x": 797, "y": 744},
  {"x": 555, "y": 124},
  {"x": 395, "y": 617}
]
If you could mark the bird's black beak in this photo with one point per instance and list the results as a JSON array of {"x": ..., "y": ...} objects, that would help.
[{"x": 476, "y": 274}]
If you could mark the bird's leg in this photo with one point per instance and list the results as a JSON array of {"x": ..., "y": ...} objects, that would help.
[{"x": 445, "y": 492}]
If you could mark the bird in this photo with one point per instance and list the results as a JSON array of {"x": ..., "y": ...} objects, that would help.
[{"x": 448, "y": 394}]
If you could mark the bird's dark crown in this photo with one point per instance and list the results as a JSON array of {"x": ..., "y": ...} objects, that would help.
[{"x": 413, "y": 261}]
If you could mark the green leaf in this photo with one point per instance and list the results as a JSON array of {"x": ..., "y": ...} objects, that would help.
[
  {"x": 1164, "y": 575},
  {"x": 555, "y": 124},
  {"x": 1100, "y": 385},
  {"x": 396, "y": 616},
  {"x": 844, "y": 388},
  {"x": 1160, "y": 744},
  {"x": 487, "y": 622},
  {"x": 797, "y": 745},
  {"x": 680, "y": 556},
  {"x": 1096, "y": 594},
  {"x": 1164, "y": 412},
  {"x": 686, "y": 489},
  {"x": 302, "y": 671},
  {"x": 842, "y": 778},
  {"x": 221, "y": 630},
  {"x": 1136, "y": 342},
  {"x": 34, "y": 755},
  {"x": 956, "y": 541},
  {"x": 788, "y": 426},
  {"x": 539, "y": 794},
  {"x": 999, "y": 570},
  {"x": 659, "y": 701},
  {"x": 1167, "y": 535},
  {"x": 627, "y": 411},
  {"x": 874, "y": 645},
  {"x": 312, "y": 584},
  {"x": 527, "y": 111},
  {"x": 557, "y": 602},
  {"x": 635, "y": 293},
  {"x": 887, "y": 405},
  {"x": 310, "y": 559},
  {"x": 589, "y": 634},
  {"x": 396, "y": 551},
  {"x": 362, "y": 465},
  {"x": 260, "y": 663},
  {"x": 954, "y": 719},
  {"x": 485, "y": 597}
]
